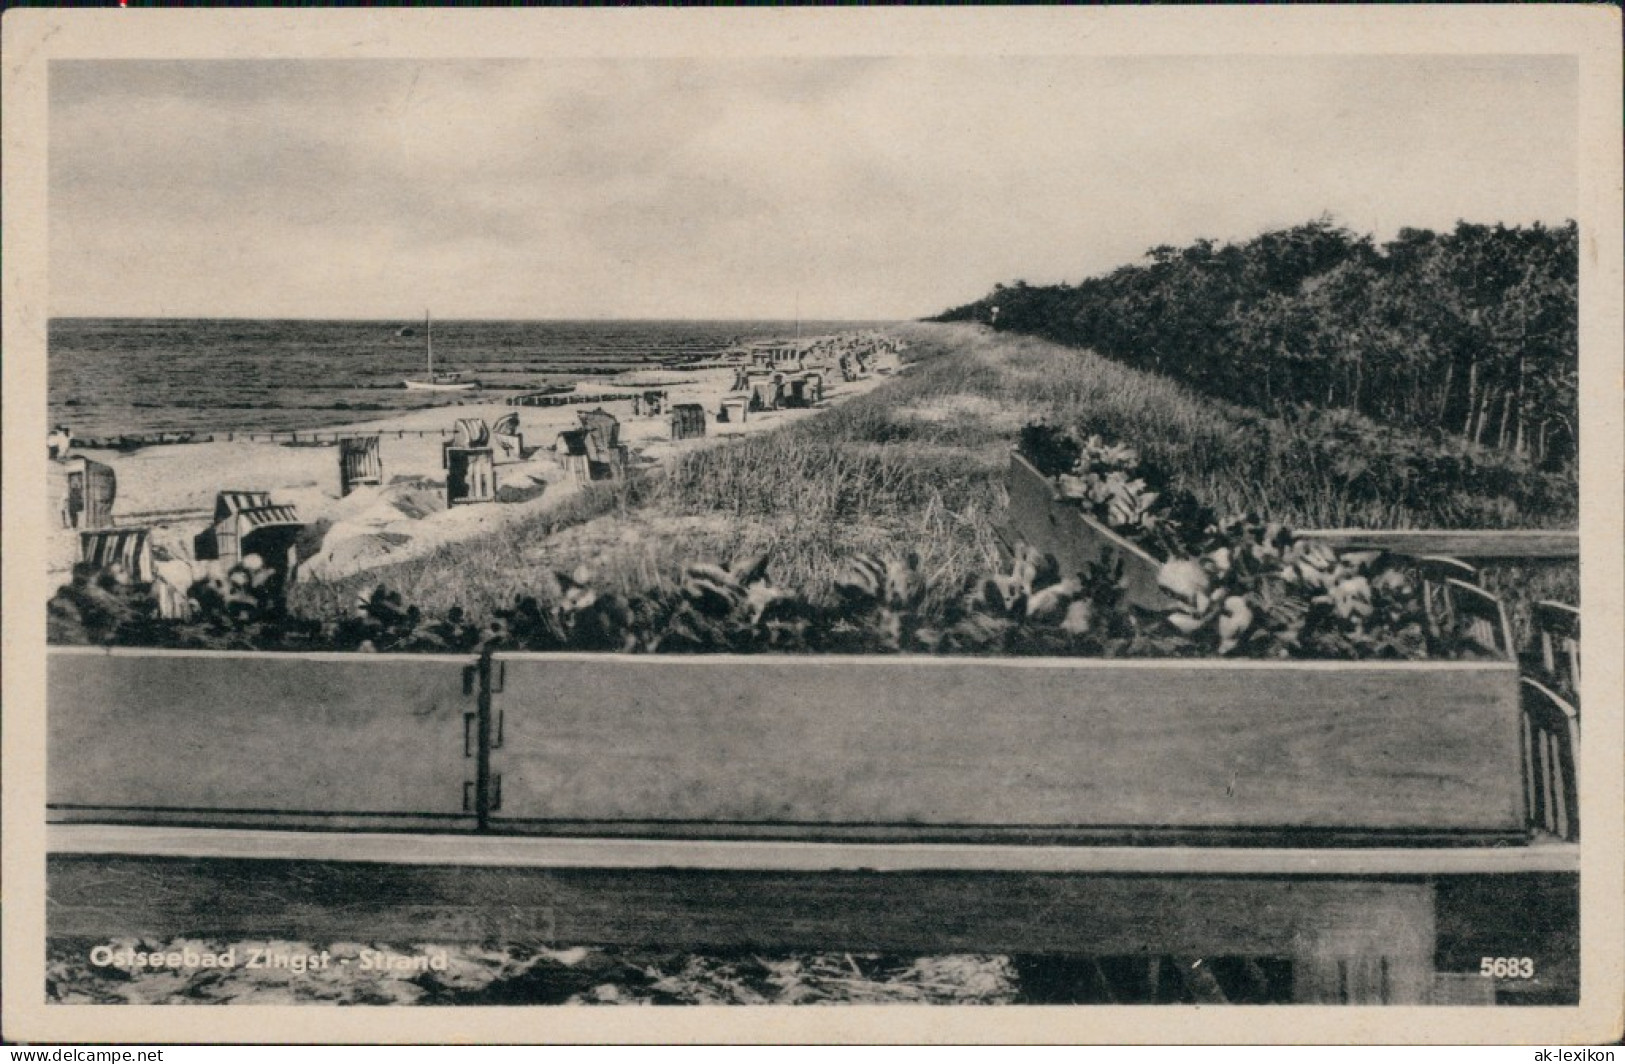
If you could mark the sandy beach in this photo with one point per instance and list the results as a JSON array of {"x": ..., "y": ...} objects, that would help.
[{"x": 171, "y": 489}]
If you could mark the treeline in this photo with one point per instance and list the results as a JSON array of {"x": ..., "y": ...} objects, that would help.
[{"x": 1473, "y": 332}]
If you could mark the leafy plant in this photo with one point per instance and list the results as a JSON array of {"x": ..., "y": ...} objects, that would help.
[
  {"x": 1261, "y": 593},
  {"x": 1051, "y": 450},
  {"x": 1245, "y": 587},
  {"x": 1116, "y": 488},
  {"x": 100, "y": 606}
]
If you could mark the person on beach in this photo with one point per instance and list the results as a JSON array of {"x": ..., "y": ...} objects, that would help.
[{"x": 59, "y": 441}]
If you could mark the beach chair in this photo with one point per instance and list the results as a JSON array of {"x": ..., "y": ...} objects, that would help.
[
  {"x": 126, "y": 551},
  {"x": 570, "y": 448},
  {"x": 687, "y": 421},
  {"x": 764, "y": 395},
  {"x": 360, "y": 463},
  {"x": 586, "y": 458},
  {"x": 84, "y": 491},
  {"x": 468, "y": 433},
  {"x": 506, "y": 439},
  {"x": 471, "y": 475},
  {"x": 603, "y": 426},
  {"x": 251, "y": 523},
  {"x": 732, "y": 411}
]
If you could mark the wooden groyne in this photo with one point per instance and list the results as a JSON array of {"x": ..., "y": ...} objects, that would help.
[
  {"x": 301, "y": 438},
  {"x": 573, "y": 398}
]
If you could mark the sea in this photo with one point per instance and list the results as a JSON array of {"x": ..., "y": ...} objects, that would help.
[{"x": 111, "y": 377}]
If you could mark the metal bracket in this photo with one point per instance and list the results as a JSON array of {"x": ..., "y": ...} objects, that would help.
[{"x": 482, "y": 733}]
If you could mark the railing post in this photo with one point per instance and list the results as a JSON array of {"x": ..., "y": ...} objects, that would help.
[{"x": 487, "y": 787}]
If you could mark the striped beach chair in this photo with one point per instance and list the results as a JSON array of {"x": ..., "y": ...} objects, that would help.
[{"x": 506, "y": 438}]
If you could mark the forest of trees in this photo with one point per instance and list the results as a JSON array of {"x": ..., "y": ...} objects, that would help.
[{"x": 1472, "y": 332}]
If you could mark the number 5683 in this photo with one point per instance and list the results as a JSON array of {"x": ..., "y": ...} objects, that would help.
[{"x": 1507, "y": 967}]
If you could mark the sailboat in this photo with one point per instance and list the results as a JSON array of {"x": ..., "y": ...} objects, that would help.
[{"x": 448, "y": 381}]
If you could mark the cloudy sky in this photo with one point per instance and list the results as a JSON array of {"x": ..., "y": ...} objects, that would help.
[{"x": 860, "y": 188}]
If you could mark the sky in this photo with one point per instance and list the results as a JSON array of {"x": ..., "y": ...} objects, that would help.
[{"x": 839, "y": 188}]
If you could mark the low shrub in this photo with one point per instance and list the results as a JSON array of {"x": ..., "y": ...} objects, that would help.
[{"x": 1260, "y": 595}]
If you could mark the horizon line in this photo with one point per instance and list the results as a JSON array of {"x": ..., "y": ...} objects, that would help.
[{"x": 284, "y": 317}]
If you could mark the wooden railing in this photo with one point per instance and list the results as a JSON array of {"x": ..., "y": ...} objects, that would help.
[
  {"x": 1477, "y": 615},
  {"x": 1557, "y": 638},
  {"x": 1296, "y": 814},
  {"x": 1551, "y": 745},
  {"x": 357, "y": 741},
  {"x": 1525, "y": 545},
  {"x": 799, "y": 747}
]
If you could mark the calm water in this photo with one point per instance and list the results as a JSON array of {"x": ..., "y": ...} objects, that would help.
[{"x": 116, "y": 376}]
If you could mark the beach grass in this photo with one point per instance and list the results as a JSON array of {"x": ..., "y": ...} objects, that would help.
[{"x": 917, "y": 466}]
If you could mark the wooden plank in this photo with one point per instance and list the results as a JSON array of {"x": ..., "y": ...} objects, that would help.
[
  {"x": 1265, "y": 918},
  {"x": 241, "y": 718},
  {"x": 926, "y": 912},
  {"x": 1038, "y": 516},
  {"x": 253, "y": 738},
  {"x": 997, "y": 834},
  {"x": 1433, "y": 571},
  {"x": 1551, "y": 760},
  {"x": 1560, "y": 618},
  {"x": 1557, "y": 631},
  {"x": 1554, "y": 545},
  {"x": 1481, "y": 616},
  {"x": 923, "y": 742},
  {"x": 507, "y": 851}
]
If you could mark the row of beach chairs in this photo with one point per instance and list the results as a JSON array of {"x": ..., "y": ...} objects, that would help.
[{"x": 770, "y": 390}]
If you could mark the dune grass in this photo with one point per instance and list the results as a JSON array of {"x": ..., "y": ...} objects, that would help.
[{"x": 917, "y": 465}]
